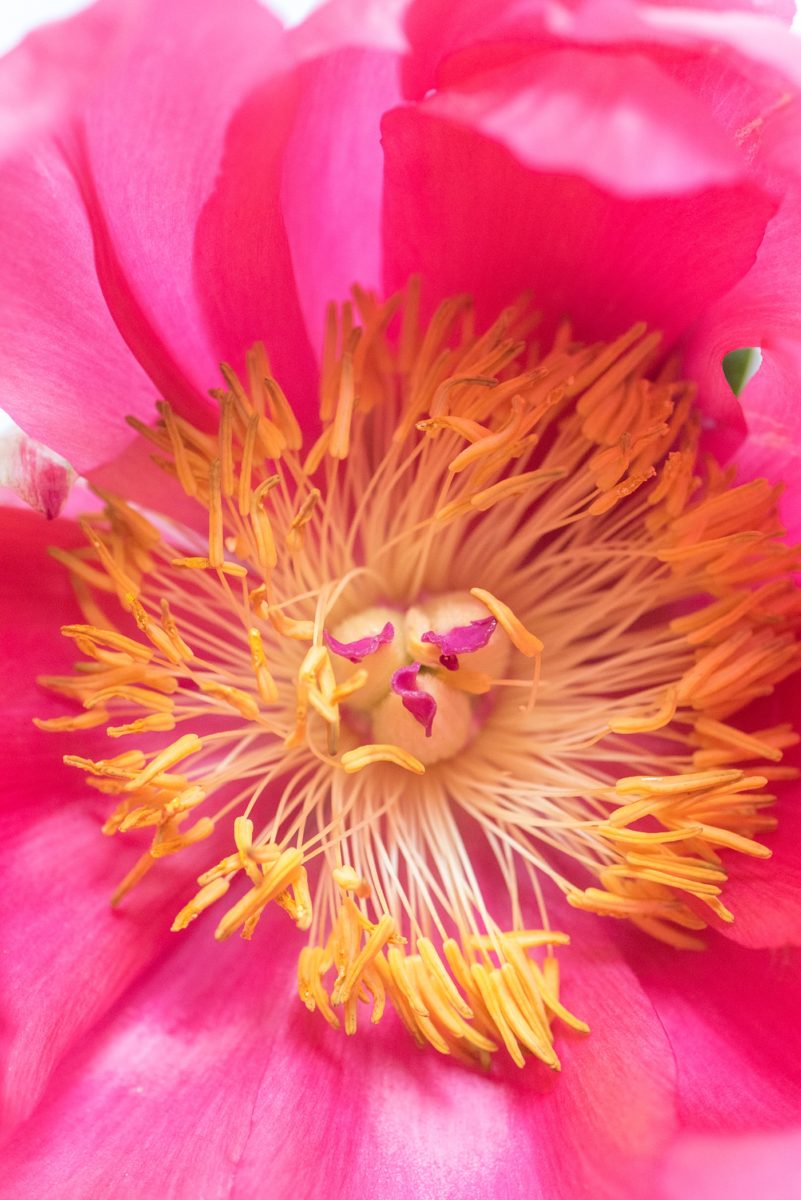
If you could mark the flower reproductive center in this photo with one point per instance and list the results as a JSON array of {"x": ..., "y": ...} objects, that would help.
[{"x": 475, "y": 650}]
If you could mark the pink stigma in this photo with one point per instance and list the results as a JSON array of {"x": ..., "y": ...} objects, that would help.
[
  {"x": 461, "y": 639},
  {"x": 362, "y": 647},
  {"x": 420, "y": 704}
]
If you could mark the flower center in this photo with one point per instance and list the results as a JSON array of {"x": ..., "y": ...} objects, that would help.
[
  {"x": 419, "y": 667},
  {"x": 479, "y": 651}
]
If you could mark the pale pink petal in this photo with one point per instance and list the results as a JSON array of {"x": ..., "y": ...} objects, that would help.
[
  {"x": 150, "y": 157},
  {"x": 339, "y": 23},
  {"x": 333, "y": 178},
  {"x": 602, "y": 260},
  {"x": 448, "y": 42},
  {"x": 39, "y": 477},
  {"x": 45, "y": 78},
  {"x": 68, "y": 377},
  {"x": 731, "y": 1015},
  {"x": 734, "y": 1168},
  {"x": 616, "y": 119},
  {"x": 247, "y": 283}
]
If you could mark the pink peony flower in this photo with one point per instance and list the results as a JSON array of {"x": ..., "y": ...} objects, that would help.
[{"x": 420, "y": 472}]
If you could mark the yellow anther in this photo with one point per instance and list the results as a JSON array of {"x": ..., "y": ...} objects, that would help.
[
  {"x": 350, "y": 880},
  {"x": 294, "y": 535},
  {"x": 207, "y": 896},
  {"x": 266, "y": 553},
  {"x": 84, "y": 720},
  {"x": 216, "y": 547},
  {"x": 299, "y": 631},
  {"x": 198, "y": 563},
  {"x": 155, "y": 723},
  {"x": 520, "y": 637},
  {"x": 190, "y": 743},
  {"x": 264, "y": 681},
  {"x": 663, "y": 716},
  {"x": 348, "y": 687},
  {"x": 366, "y": 756},
  {"x": 516, "y": 485},
  {"x": 339, "y": 444},
  {"x": 243, "y": 703},
  {"x": 110, "y": 639},
  {"x": 278, "y": 878}
]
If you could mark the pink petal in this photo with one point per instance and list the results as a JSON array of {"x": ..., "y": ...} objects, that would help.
[
  {"x": 45, "y": 78},
  {"x": 213, "y": 1043},
  {"x": 68, "y": 377},
  {"x": 765, "y": 894},
  {"x": 154, "y": 134},
  {"x": 66, "y": 955},
  {"x": 618, "y": 120},
  {"x": 763, "y": 310},
  {"x": 333, "y": 177},
  {"x": 446, "y": 44},
  {"x": 603, "y": 260},
  {"x": 165, "y": 1089},
  {"x": 396, "y": 1119},
  {"x": 338, "y": 23},
  {"x": 247, "y": 283},
  {"x": 734, "y": 1168},
  {"x": 152, "y": 128},
  {"x": 731, "y": 1015},
  {"x": 36, "y": 598}
]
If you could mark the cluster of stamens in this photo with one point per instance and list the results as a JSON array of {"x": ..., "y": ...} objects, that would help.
[{"x": 481, "y": 644}]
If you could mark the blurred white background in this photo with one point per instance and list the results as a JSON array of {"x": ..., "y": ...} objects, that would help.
[{"x": 18, "y": 16}]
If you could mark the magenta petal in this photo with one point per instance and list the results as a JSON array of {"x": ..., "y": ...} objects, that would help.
[
  {"x": 731, "y": 1015},
  {"x": 419, "y": 703},
  {"x": 67, "y": 956},
  {"x": 605, "y": 260},
  {"x": 356, "y": 651},
  {"x": 599, "y": 115},
  {"x": 164, "y": 1091},
  {"x": 214, "y": 1042}
]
